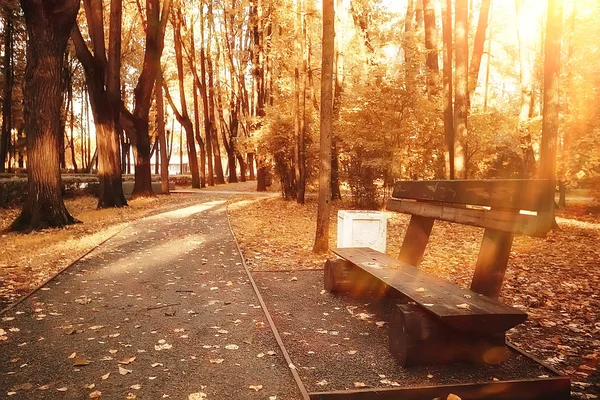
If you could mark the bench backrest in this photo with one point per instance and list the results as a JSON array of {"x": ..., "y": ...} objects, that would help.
[{"x": 510, "y": 205}]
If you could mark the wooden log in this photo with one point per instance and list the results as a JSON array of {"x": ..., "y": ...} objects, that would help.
[
  {"x": 492, "y": 262},
  {"x": 342, "y": 276},
  {"x": 415, "y": 240},
  {"x": 418, "y": 338}
]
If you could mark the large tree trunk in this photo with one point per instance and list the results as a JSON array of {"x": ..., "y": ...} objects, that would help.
[
  {"x": 431, "y": 44},
  {"x": 478, "y": 46},
  {"x": 321, "y": 244},
  {"x": 448, "y": 92},
  {"x": 107, "y": 138},
  {"x": 156, "y": 21},
  {"x": 7, "y": 91},
  {"x": 550, "y": 122},
  {"x": 526, "y": 90},
  {"x": 461, "y": 96},
  {"x": 48, "y": 29}
]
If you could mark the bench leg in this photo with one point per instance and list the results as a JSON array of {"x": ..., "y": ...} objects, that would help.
[
  {"x": 492, "y": 262},
  {"x": 415, "y": 240},
  {"x": 417, "y": 338},
  {"x": 342, "y": 276}
]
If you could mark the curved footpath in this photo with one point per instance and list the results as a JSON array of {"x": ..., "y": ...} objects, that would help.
[{"x": 164, "y": 309}]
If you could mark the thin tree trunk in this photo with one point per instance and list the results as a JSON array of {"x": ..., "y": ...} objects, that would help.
[
  {"x": 7, "y": 91},
  {"x": 197, "y": 109},
  {"x": 48, "y": 28},
  {"x": 183, "y": 117},
  {"x": 162, "y": 137},
  {"x": 550, "y": 119},
  {"x": 448, "y": 94},
  {"x": 478, "y": 46},
  {"x": 488, "y": 63},
  {"x": 431, "y": 44},
  {"x": 337, "y": 98},
  {"x": 526, "y": 91},
  {"x": 321, "y": 244},
  {"x": 461, "y": 96}
]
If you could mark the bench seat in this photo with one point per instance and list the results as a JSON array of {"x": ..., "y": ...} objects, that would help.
[{"x": 457, "y": 307}]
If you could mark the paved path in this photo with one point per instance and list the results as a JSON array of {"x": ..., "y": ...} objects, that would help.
[{"x": 162, "y": 310}]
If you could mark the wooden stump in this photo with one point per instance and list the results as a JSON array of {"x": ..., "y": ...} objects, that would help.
[
  {"x": 342, "y": 276},
  {"x": 419, "y": 338}
]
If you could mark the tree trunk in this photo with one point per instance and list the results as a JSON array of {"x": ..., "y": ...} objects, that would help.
[
  {"x": 7, "y": 91},
  {"x": 321, "y": 244},
  {"x": 431, "y": 44},
  {"x": 107, "y": 139},
  {"x": 448, "y": 92},
  {"x": 216, "y": 149},
  {"x": 526, "y": 91},
  {"x": 183, "y": 117},
  {"x": 478, "y": 46},
  {"x": 337, "y": 99},
  {"x": 48, "y": 29},
  {"x": 197, "y": 109},
  {"x": 202, "y": 84},
  {"x": 162, "y": 137},
  {"x": 138, "y": 121},
  {"x": 250, "y": 164},
  {"x": 550, "y": 118},
  {"x": 461, "y": 96}
]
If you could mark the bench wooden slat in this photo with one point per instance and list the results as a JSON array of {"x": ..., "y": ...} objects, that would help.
[
  {"x": 520, "y": 194},
  {"x": 523, "y": 224},
  {"x": 440, "y": 296}
]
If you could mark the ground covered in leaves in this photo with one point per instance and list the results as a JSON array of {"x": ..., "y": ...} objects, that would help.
[
  {"x": 28, "y": 260},
  {"x": 556, "y": 280}
]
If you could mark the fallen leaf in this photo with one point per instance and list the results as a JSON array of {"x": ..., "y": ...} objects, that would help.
[
  {"x": 463, "y": 306},
  {"x": 90, "y": 386},
  {"x": 131, "y": 396},
  {"x": 260, "y": 355},
  {"x": 95, "y": 394},
  {"x": 62, "y": 389},
  {"x": 359, "y": 385},
  {"x": 80, "y": 362},
  {"x": 127, "y": 361},
  {"x": 256, "y": 388},
  {"x": 73, "y": 355},
  {"x": 380, "y": 324},
  {"x": 351, "y": 352},
  {"x": 322, "y": 383},
  {"x": 105, "y": 376},
  {"x": 420, "y": 290},
  {"x": 124, "y": 371},
  {"x": 197, "y": 396},
  {"x": 216, "y": 360},
  {"x": 452, "y": 396},
  {"x": 137, "y": 386},
  {"x": 232, "y": 347}
]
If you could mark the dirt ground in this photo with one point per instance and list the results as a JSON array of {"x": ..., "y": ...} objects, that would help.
[{"x": 556, "y": 280}]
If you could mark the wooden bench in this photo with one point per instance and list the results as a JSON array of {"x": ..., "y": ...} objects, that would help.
[{"x": 434, "y": 320}]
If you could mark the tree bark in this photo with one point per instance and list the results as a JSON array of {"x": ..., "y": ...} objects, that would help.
[
  {"x": 431, "y": 44},
  {"x": 526, "y": 91},
  {"x": 7, "y": 91},
  {"x": 337, "y": 98},
  {"x": 321, "y": 244},
  {"x": 197, "y": 109},
  {"x": 183, "y": 117},
  {"x": 48, "y": 28},
  {"x": 461, "y": 96},
  {"x": 550, "y": 118},
  {"x": 448, "y": 94},
  {"x": 162, "y": 137},
  {"x": 478, "y": 46}
]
